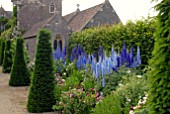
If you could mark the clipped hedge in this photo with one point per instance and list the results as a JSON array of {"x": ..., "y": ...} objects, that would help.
[
  {"x": 139, "y": 33},
  {"x": 41, "y": 96},
  {"x": 159, "y": 96},
  {"x": 2, "y": 51},
  {"x": 7, "y": 61},
  {"x": 20, "y": 75}
]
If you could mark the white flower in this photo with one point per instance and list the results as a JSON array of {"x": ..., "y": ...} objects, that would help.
[
  {"x": 129, "y": 71},
  {"x": 139, "y": 76},
  {"x": 131, "y": 112}
]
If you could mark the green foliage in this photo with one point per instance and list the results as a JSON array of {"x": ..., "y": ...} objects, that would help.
[
  {"x": 110, "y": 105},
  {"x": 41, "y": 96},
  {"x": 71, "y": 82},
  {"x": 7, "y": 61},
  {"x": 135, "y": 34},
  {"x": 159, "y": 100},
  {"x": 14, "y": 16},
  {"x": 76, "y": 101},
  {"x": 20, "y": 75},
  {"x": 2, "y": 51},
  {"x": 3, "y": 22},
  {"x": 130, "y": 91}
]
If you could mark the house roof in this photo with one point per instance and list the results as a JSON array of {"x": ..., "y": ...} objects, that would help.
[
  {"x": 78, "y": 20},
  {"x": 34, "y": 30}
]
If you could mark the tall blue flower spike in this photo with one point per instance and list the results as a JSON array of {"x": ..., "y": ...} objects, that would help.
[
  {"x": 132, "y": 54},
  {"x": 79, "y": 50},
  {"x": 138, "y": 56},
  {"x": 100, "y": 52},
  {"x": 89, "y": 61},
  {"x": 93, "y": 67},
  {"x": 103, "y": 82}
]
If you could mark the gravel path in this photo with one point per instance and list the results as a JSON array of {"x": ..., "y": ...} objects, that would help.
[{"x": 13, "y": 99}]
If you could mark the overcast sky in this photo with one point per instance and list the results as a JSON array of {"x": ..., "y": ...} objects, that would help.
[{"x": 126, "y": 9}]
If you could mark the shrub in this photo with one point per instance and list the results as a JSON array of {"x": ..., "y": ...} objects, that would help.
[
  {"x": 2, "y": 51},
  {"x": 41, "y": 95},
  {"x": 130, "y": 91},
  {"x": 20, "y": 75},
  {"x": 76, "y": 101},
  {"x": 159, "y": 97},
  {"x": 110, "y": 105},
  {"x": 7, "y": 61}
]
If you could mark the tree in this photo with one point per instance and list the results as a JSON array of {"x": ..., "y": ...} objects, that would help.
[
  {"x": 7, "y": 61},
  {"x": 2, "y": 51},
  {"x": 41, "y": 95},
  {"x": 20, "y": 75},
  {"x": 159, "y": 97}
]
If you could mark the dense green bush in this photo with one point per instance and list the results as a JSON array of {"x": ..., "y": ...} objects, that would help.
[
  {"x": 41, "y": 95},
  {"x": 131, "y": 90},
  {"x": 20, "y": 75},
  {"x": 139, "y": 33},
  {"x": 2, "y": 51},
  {"x": 110, "y": 105},
  {"x": 159, "y": 96},
  {"x": 7, "y": 61}
]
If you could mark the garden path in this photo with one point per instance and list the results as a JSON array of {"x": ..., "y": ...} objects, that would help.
[{"x": 13, "y": 99}]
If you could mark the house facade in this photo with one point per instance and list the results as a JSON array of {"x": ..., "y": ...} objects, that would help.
[{"x": 34, "y": 15}]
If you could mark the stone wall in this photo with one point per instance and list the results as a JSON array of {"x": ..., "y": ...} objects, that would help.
[{"x": 106, "y": 15}]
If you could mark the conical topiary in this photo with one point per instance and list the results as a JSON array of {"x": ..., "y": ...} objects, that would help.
[
  {"x": 7, "y": 61},
  {"x": 41, "y": 95},
  {"x": 2, "y": 51},
  {"x": 159, "y": 97},
  {"x": 20, "y": 75}
]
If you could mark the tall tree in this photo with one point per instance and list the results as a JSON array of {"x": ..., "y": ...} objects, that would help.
[
  {"x": 41, "y": 95},
  {"x": 20, "y": 75},
  {"x": 159, "y": 98}
]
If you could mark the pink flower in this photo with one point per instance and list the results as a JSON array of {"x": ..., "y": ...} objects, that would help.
[
  {"x": 91, "y": 89},
  {"x": 71, "y": 95},
  {"x": 97, "y": 94}
]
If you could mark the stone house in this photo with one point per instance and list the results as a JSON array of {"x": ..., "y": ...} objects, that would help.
[
  {"x": 6, "y": 14},
  {"x": 34, "y": 15}
]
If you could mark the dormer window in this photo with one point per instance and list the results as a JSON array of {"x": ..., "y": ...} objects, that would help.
[{"x": 52, "y": 8}]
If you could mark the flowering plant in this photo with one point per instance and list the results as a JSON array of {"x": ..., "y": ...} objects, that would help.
[{"x": 77, "y": 101}]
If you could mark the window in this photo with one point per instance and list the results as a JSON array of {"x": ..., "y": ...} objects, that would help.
[
  {"x": 2, "y": 27},
  {"x": 52, "y": 8},
  {"x": 2, "y": 15},
  {"x": 58, "y": 42}
]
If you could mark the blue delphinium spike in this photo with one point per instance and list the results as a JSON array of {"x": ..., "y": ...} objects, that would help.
[
  {"x": 98, "y": 70},
  {"x": 84, "y": 61},
  {"x": 138, "y": 56},
  {"x": 103, "y": 82},
  {"x": 58, "y": 53},
  {"x": 93, "y": 67},
  {"x": 100, "y": 52},
  {"x": 89, "y": 61},
  {"x": 132, "y": 54},
  {"x": 128, "y": 60},
  {"x": 79, "y": 49},
  {"x": 112, "y": 54},
  {"x": 118, "y": 62},
  {"x": 114, "y": 70}
]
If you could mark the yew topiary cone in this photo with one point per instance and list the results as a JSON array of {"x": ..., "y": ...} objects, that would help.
[
  {"x": 41, "y": 95},
  {"x": 20, "y": 75}
]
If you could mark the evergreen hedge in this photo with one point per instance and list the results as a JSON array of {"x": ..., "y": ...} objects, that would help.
[
  {"x": 20, "y": 75},
  {"x": 159, "y": 97},
  {"x": 139, "y": 33},
  {"x": 2, "y": 51},
  {"x": 7, "y": 61},
  {"x": 41, "y": 95}
]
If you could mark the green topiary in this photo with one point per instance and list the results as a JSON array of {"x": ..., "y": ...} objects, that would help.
[
  {"x": 159, "y": 97},
  {"x": 20, "y": 75},
  {"x": 41, "y": 96},
  {"x": 2, "y": 51},
  {"x": 7, "y": 61}
]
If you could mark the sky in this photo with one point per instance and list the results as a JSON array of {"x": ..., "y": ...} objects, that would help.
[{"x": 126, "y": 9}]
